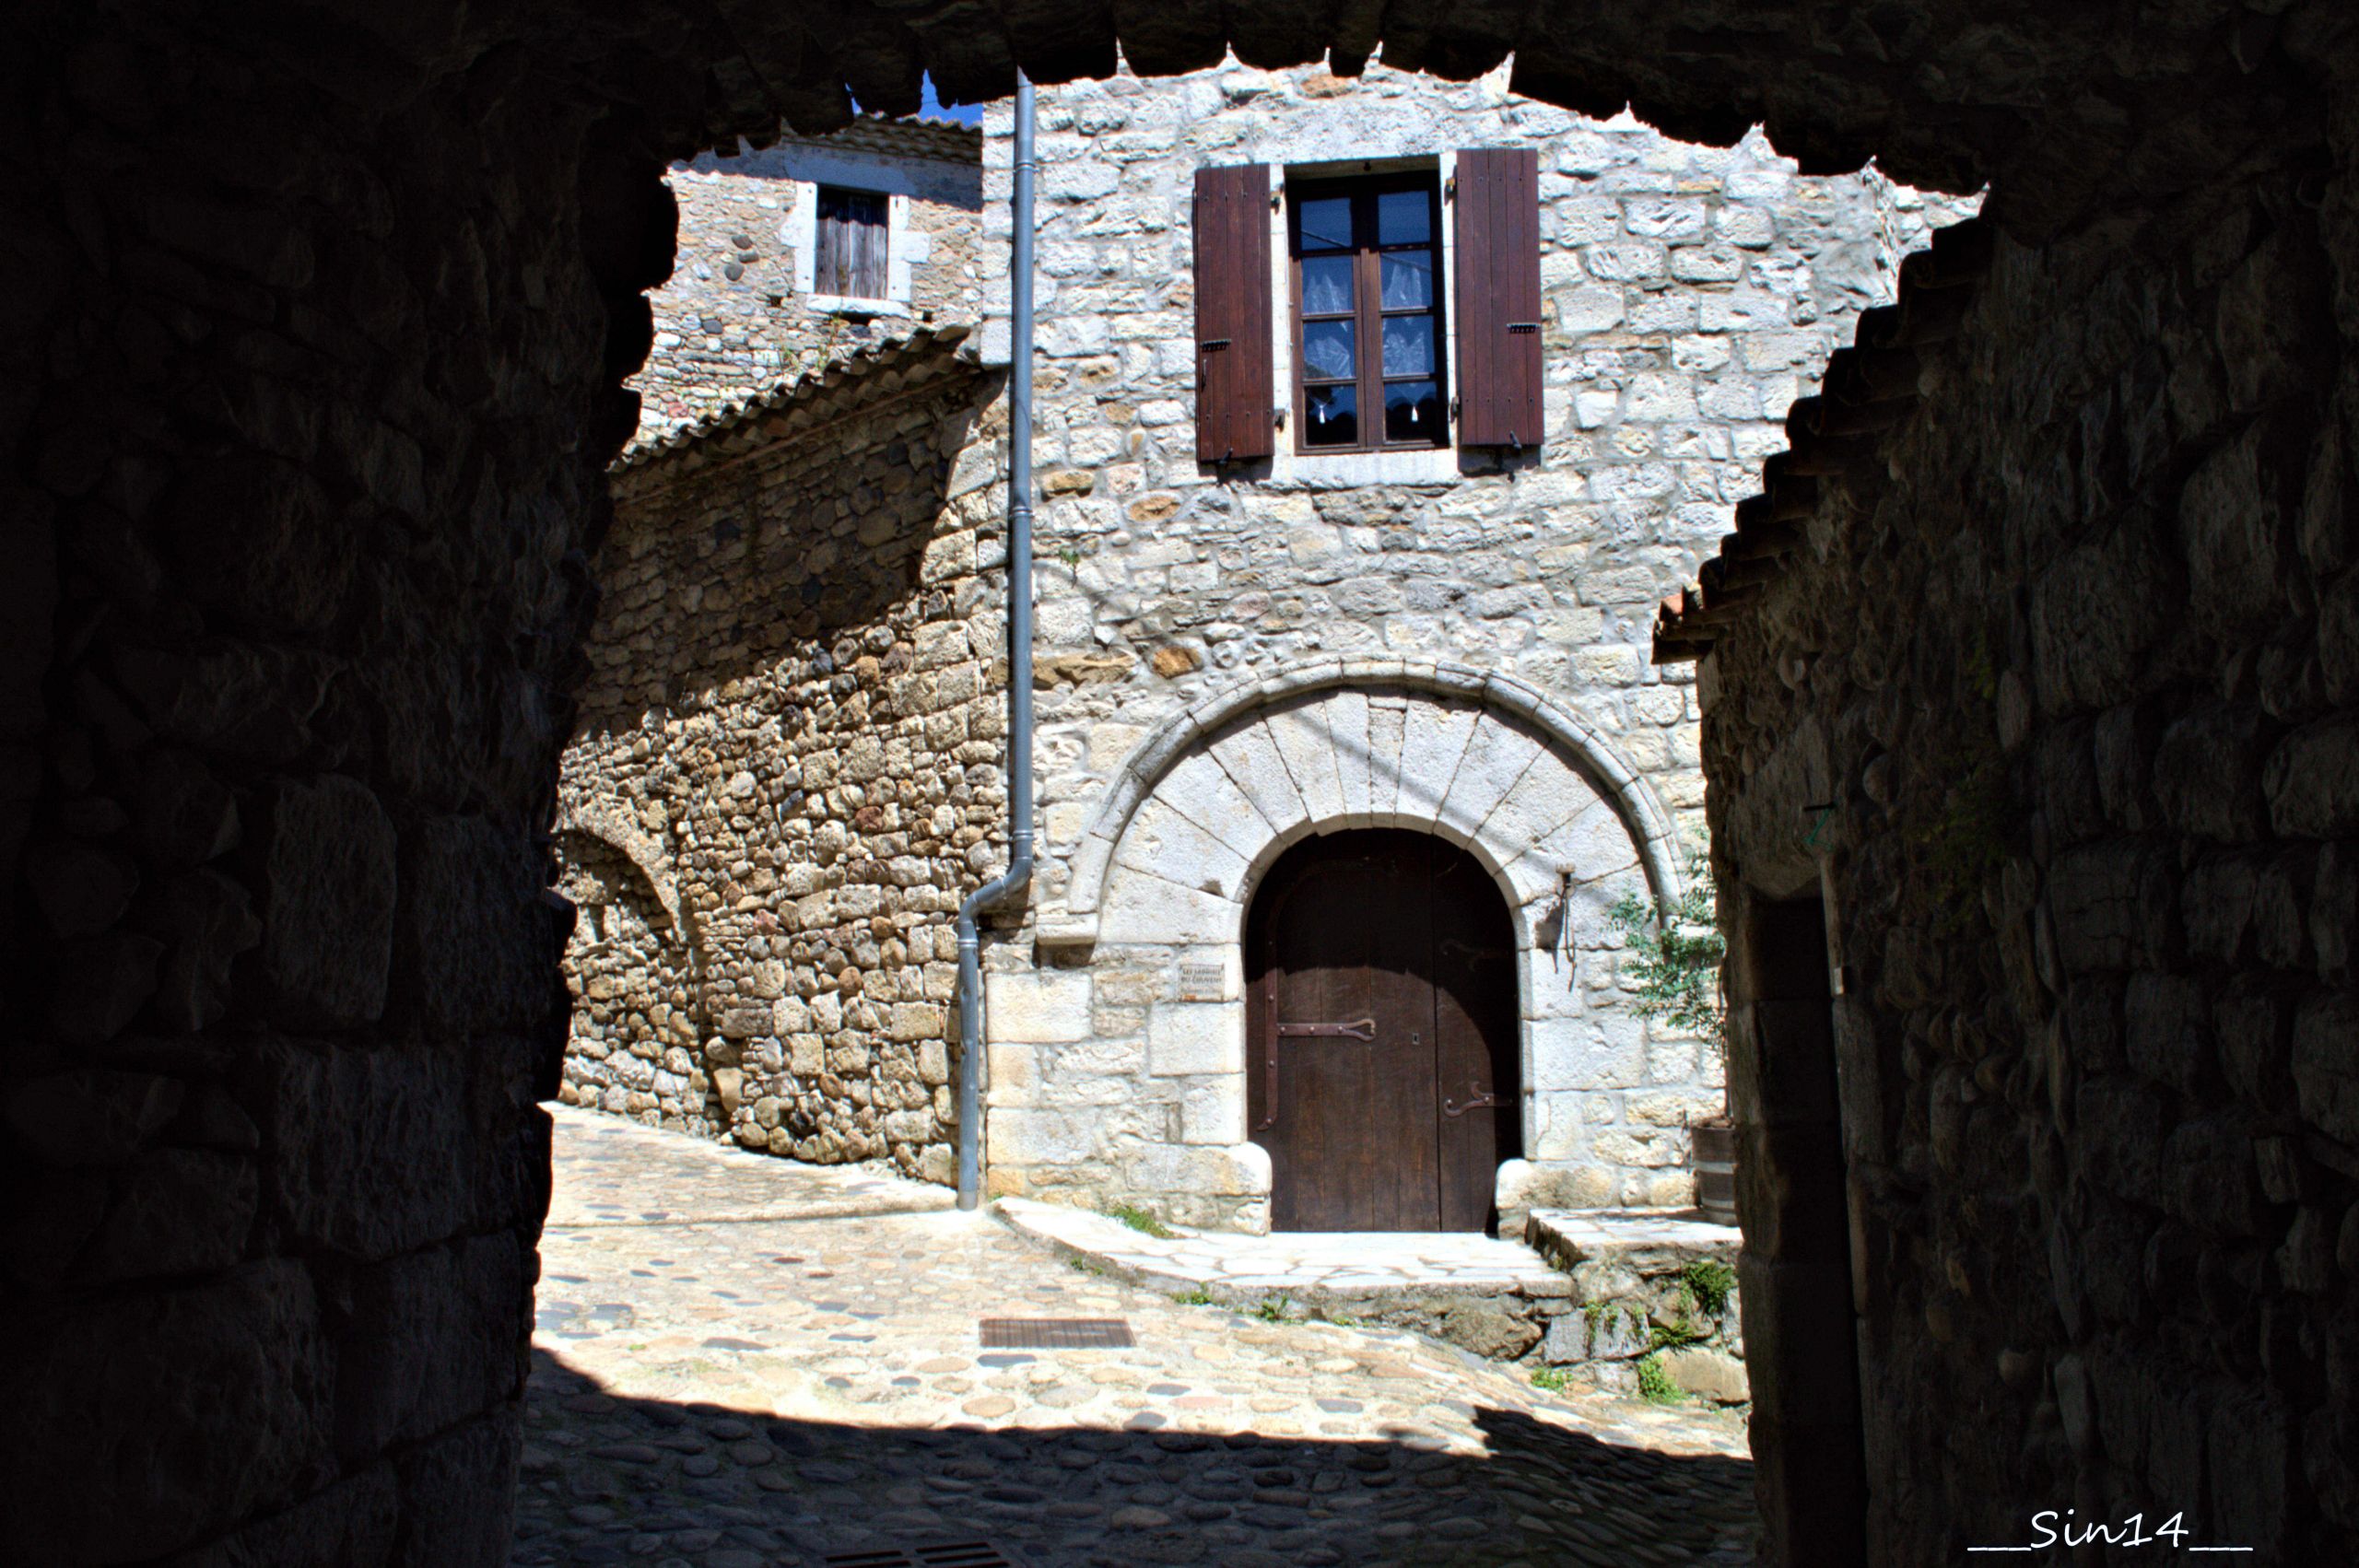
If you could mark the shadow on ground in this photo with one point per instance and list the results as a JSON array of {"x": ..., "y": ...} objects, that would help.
[{"x": 615, "y": 1479}]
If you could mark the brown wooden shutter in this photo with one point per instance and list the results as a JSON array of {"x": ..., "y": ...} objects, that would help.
[
  {"x": 1498, "y": 297},
  {"x": 851, "y": 244},
  {"x": 1233, "y": 367}
]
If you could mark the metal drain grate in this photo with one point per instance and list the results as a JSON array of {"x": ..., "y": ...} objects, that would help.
[
  {"x": 942, "y": 1554},
  {"x": 1056, "y": 1333}
]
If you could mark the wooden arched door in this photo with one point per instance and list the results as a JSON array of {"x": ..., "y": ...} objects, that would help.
[{"x": 1382, "y": 1034}]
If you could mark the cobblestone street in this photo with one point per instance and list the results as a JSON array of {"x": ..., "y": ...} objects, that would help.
[{"x": 742, "y": 1364}]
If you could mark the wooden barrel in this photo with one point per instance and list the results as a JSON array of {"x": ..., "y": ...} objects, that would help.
[{"x": 1714, "y": 1159}]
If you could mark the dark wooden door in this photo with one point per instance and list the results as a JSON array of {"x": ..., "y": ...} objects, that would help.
[{"x": 1382, "y": 1036}]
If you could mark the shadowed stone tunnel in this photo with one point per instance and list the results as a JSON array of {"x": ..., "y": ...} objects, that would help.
[{"x": 314, "y": 320}]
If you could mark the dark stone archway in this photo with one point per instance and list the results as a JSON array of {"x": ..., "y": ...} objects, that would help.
[{"x": 312, "y": 324}]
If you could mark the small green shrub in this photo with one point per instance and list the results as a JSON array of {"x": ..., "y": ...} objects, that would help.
[
  {"x": 1083, "y": 1266},
  {"x": 1273, "y": 1309},
  {"x": 1141, "y": 1221},
  {"x": 1675, "y": 953},
  {"x": 1556, "y": 1379},
  {"x": 1709, "y": 1283},
  {"x": 1655, "y": 1385},
  {"x": 1663, "y": 1336},
  {"x": 1199, "y": 1296}
]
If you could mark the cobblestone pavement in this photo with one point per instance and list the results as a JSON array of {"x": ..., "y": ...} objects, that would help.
[{"x": 776, "y": 1392}]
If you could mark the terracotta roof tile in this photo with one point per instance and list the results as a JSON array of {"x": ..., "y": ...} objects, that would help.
[{"x": 885, "y": 366}]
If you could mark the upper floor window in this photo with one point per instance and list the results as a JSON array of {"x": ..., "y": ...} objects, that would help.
[
  {"x": 850, "y": 249},
  {"x": 1372, "y": 368},
  {"x": 1367, "y": 314}
]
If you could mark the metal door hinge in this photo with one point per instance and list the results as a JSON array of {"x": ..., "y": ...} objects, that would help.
[{"x": 1358, "y": 1029}]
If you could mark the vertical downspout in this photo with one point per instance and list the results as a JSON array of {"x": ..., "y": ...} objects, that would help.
[{"x": 1003, "y": 888}]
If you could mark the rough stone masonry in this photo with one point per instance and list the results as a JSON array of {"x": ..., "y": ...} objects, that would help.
[
  {"x": 1693, "y": 295},
  {"x": 1450, "y": 639},
  {"x": 313, "y": 327},
  {"x": 788, "y": 769}
]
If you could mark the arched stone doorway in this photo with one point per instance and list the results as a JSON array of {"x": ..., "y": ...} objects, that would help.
[
  {"x": 304, "y": 461},
  {"x": 1381, "y": 1060},
  {"x": 1118, "y": 1071}
]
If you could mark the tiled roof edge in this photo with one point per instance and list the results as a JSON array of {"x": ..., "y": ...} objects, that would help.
[
  {"x": 912, "y": 137},
  {"x": 1869, "y": 388},
  {"x": 749, "y": 421}
]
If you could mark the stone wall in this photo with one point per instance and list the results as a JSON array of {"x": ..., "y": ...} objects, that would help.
[
  {"x": 343, "y": 297},
  {"x": 1691, "y": 293},
  {"x": 2072, "y": 652},
  {"x": 787, "y": 772},
  {"x": 300, "y": 455},
  {"x": 739, "y": 316}
]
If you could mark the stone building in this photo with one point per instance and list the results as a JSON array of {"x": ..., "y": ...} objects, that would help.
[
  {"x": 305, "y": 410},
  {"x": 809, "y": 249},
  {"x": 1246, "y": 665},
  {"x": 787, "y": 761}
]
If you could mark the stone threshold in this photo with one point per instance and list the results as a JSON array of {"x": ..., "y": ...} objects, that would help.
[{"x": 1587, "y": 1294}]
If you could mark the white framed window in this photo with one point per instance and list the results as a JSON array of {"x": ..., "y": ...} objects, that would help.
[
  {"x": 852, "y": 245},
  {"x": 852, "y": 228}
]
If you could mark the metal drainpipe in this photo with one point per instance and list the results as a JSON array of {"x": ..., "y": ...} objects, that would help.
[{"x": 1003, "y": 888}]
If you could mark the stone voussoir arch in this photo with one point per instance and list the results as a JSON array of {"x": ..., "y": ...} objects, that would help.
[
  {"x": 1653, "y": 831},
  {"x": 592, "y": 819}
]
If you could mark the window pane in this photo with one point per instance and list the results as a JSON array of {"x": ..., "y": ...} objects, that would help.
[
  {"x": 1327, "y": 350},
  {"x": 1404, "y": 217},
  {"x": 1330, "y": 416},
  {"x": 1408, "y": 345},
  {"x": 1408, "y": 280},
  {"x": 1326, "y": 286},
  {"x": 1327, "y": 223},
  {"x": 1413, "y": 412}
]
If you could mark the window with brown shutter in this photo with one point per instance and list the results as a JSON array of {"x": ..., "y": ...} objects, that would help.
[
  {"x": 1497, "y": 234},
  {"x": 1369, "y": 355},
  {"x": 1233, "y": 336},
  {"x": 849, "y": 261}
]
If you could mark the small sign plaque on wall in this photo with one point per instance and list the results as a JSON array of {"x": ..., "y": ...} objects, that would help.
[{"x": 1199, "y": 982}]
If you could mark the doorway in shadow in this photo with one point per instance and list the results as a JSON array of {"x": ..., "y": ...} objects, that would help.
[{"x": 1800, "y": 1328}]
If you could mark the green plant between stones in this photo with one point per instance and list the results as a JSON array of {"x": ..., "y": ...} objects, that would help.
[
  {"x": 1675, "y": 953},
  {"x": 1142, "y": 1221},
  {"x": 1199, "y": 1296},
  {"x": 1671, "y": 1337},
  {"x": 1655, "y": 1385},
  {"x": 1709, "y": 1283},
  {"x": 1556, "y": 1379},
  {"x": 1273, "y": 1309}
]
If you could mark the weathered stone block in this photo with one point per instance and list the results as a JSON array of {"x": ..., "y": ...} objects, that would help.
[
  {"x": 373, "y": 1150},
  {"x": 1184, "y": 1038},
  {"x": 200, "y": 1403},
  {"x": 2326, "y": 1064},
  {"x": 1027, "y": 1137},
  {"x": 1708, "y": 1373},
  {"x": 326, "y": 879},
  {"x": 1039, "y": 1006},
  {"x": 429, "y": 1339}
]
